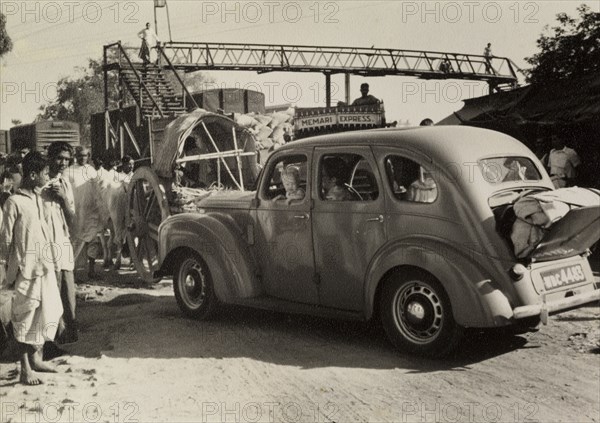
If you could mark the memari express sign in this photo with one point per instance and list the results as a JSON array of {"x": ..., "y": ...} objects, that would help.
[{"x": 337, "y": 118}]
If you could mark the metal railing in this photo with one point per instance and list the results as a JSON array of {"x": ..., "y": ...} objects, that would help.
[
  {"x": 139, "y": 101},
  {"x": 350, "y": 60},
  {"x": 184, "y": 88}
]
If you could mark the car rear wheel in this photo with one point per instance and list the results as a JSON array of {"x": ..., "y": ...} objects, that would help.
[
  {"x": 417, "y": 315},
  {"x": 193, "y": 288}
]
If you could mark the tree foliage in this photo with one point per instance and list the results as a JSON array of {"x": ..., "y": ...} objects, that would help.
[
  {"x": 79, "y": 96},
  {"x": 567, "y": 50},
  {"x": 6, "y": 44}
]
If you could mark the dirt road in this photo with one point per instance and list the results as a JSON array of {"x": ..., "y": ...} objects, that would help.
[{"x": 138, "y": 359}]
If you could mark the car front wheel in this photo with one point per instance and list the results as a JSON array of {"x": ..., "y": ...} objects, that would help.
[
  {"x": 193, "y": 288},
  {"x": 417, "y": 315}
]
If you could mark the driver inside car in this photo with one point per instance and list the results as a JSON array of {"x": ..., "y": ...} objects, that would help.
[{"x": 334, "y": 172}]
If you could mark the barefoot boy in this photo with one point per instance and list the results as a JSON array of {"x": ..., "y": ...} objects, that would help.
[{"x": 26, "y": 250}]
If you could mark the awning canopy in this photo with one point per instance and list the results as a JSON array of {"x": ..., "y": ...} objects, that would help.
[{"x": 562, "y": 102}]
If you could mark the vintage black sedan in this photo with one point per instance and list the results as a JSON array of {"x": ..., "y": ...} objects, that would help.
[{"x": 402, "y": 225}]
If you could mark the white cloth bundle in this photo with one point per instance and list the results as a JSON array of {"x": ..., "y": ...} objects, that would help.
[{"x": 535, "y": 213}]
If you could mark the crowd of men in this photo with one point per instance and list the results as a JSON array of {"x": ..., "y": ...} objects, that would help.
[{"x": 54, "y": 211}]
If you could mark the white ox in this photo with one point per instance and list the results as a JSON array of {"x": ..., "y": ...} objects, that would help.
[
  {"x": 100, "y": 204},
  {"x": 112, "y": 189}
]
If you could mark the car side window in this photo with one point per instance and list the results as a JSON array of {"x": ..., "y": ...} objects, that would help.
[
  {"x": 347, "y": 177},
  {"x": 287, "y": 179},
  {"x": 409, "y": 181}
]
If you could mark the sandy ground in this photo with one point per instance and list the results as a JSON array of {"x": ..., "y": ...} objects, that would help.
[{"x": 139, "y": 360}]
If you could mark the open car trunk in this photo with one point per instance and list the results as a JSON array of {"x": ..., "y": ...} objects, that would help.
[{"x": 570, "y": 236}]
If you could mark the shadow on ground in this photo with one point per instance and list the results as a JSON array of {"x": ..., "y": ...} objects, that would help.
[
  {"x": 121, "y": 316},
  {"x": 138, "y": 325}
]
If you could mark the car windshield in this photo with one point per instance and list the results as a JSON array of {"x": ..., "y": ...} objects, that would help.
[{"x": 497, "y": 170}]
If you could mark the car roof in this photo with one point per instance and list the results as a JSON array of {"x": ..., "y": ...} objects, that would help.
[{"x": 439, "y": 143}]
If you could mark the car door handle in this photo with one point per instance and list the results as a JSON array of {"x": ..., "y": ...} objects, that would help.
[
  {"x": 376, "y": 219},
  {"x": 301, "y": 216}
]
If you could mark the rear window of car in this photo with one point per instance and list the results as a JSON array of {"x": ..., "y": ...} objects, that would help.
[
  {"x": 409, "y": 181},
  {"x": 497, "y": 170}
]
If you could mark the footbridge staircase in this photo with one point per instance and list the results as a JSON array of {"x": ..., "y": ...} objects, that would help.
[{"x": 158, "y": 91}]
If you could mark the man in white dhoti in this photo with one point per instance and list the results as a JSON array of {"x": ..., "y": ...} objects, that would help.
[
  {"x": 83, "y": 179},
  {"x": 27, "y": 251}
]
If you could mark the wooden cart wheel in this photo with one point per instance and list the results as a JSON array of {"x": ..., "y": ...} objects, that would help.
[{"x": 147, "y": 208}]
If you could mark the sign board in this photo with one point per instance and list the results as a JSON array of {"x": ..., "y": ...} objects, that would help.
[
  {"x": 341, "y": 118},
  {"x": 316, "y": 121},
  {"x": 359, "y": 118}
]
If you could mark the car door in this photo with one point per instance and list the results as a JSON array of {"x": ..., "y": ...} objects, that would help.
[
  {"x": 348, "y": 229},
  {"x": 283, "y": 241}
]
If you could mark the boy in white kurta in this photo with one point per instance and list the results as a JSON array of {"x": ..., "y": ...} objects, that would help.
[{"x": 27, "y": 251}]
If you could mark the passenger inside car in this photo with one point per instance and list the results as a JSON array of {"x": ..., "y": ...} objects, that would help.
[
  {"x": 423, "y": 189},
  {"x": 290, "y": 177},
  {"x": 516, "y": 171},
  {"x": 393, "y": 167},
  {"x": 403, "y": 172}
]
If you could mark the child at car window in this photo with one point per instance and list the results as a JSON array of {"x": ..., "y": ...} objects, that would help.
[{"x": 290, "y": 176}]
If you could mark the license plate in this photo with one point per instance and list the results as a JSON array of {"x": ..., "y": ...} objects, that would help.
[{"x": 563, "y": 276}]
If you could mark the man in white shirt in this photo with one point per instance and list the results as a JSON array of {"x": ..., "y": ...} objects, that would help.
[
  {"x": 149, "y": 42},
  {"x": 563, "y": 163},
  {"x": 59, "y": 210}
]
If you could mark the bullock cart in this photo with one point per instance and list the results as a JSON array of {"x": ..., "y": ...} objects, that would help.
[{"x": 197, "y": 154}]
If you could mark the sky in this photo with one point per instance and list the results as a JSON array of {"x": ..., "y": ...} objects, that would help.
[{"x": 53, "y": 38}]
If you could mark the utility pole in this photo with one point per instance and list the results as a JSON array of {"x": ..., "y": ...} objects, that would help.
[{"x": 162, "y": 3}]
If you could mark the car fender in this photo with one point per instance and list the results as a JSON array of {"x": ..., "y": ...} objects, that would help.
[
  {"x": 216, "y": 238},
  {"x": 476, "y": 300}
]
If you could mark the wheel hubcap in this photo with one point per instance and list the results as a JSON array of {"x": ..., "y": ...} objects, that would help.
[
  {"x": 415, "y": 312},
  {"x": 418, "y": 312},
  {"x": 193, "y": 284}
]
